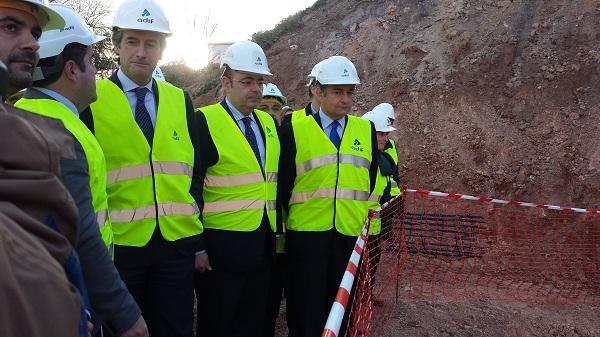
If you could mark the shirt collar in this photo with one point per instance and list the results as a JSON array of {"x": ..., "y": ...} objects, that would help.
[
  {"x": 237, "y": 115},
  {"x": 326, "y": 121},
  {"x": 128, "y": 84},
  {"x": 60, "y": 98}
]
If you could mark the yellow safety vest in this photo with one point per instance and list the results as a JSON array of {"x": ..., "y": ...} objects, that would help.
[
  {"x": 331, "y": 187},
  {"x": 393, "y": 152},
  {"x": 374, "y": 202},
  {"x": 93, "y": 153},
  {"x": 147, "y": 186},
  {"x": 236, "y": 192}
]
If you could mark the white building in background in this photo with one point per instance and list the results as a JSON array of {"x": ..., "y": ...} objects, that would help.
[{"x": 216, "y": 51}]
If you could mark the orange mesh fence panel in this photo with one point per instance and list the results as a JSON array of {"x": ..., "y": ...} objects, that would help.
[{"x": 455, "y": 248}]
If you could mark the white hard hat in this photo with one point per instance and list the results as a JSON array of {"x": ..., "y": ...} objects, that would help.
[
  {"x": 313, "y": 73},
  {"x": 271, "y": 89},
  {"x": 141, "y": 15},
  {"x": 47, "y": 17},
  {"x": 158, "y": 75},
  {"x": 385, "y": 109},
  {"x": 382, "y": 123},
  {"x": 53, "y": 42},
  {"x": 337, "y": 70},
  {"x": 246, "y": 56}
]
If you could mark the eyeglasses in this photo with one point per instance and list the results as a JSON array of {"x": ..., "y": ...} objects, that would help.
[{"x": 247, "y": 82}]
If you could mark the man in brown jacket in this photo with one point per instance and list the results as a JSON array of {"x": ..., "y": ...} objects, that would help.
[{"x": 36, "y": 299}]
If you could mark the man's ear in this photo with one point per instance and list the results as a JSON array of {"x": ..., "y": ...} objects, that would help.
[
  {"x": 225, "y": 83},
  {"x": 319, "y": 92},
  {"x": 71, "y": 70}
]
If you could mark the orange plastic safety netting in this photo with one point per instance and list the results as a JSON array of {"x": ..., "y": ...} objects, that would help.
[{"x": 455, "y": 248}]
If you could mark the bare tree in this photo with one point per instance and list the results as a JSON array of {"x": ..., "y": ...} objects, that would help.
[{"x": 96, "y": 14}]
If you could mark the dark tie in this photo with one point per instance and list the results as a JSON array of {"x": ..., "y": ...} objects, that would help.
[
  {"x": 333, "y": 134},
  {"x": 251, "y": 137},
  {"x": 142, "y": 116}
]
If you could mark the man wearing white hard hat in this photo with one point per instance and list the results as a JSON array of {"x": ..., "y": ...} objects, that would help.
[
  {"x": 313, "y": 106},
  {"x": 238, "y": 157},
  {"x": 142, "y": 126},
  {"x": 272, "y": 101},
  {"x": 387, "y": 110},
  {"x": 64, "y": 85},
  {"x": 387, "y": 178},
  {"x": 328, "y": 168}
]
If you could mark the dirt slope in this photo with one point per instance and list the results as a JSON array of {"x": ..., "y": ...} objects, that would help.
[{"x": 494, "y": 98}]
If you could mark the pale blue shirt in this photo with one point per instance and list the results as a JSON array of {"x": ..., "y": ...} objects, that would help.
[
  {"x": 326, "y": 123},
  {"x": 129, "y": 86},
  {"x": 255, "y": 128},
  {"x": 59, "y": 98}
]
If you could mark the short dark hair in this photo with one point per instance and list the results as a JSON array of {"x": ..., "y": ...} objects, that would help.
[
  {"x": 117, "y": 37},
  {"x": 52, "y": 67}
]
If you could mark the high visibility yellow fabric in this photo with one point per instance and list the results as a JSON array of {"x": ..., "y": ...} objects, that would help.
[
  {"x": 298, "y": 114},
  {"x": 146, "y": 186},
  {"x": 331, "y": 187},
  {"x": 93, "y": 153},
  {"x": 374, "y": 202},
  {"x": 236, "y": 192},
  {"x": 393, "y": 152}
]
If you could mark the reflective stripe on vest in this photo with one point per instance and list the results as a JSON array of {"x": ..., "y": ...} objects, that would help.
[
  {"x": 142, "y": 179},
  {"x": 329, "y": 193},
  {"x": 332, "y": 186},
  {"x": 235, "y": 192},
  {"x": 149, "y": 212},
  {"x": 94, "y": 155},
  {"x": 145, "y": 170},
  {"x": 329, "y": 159},
  {"x": 374, "y": 202}
]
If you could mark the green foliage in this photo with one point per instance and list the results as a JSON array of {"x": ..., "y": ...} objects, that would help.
[
  {"x": 267, "y": 38},
  {"x": 197, "y": 82}
]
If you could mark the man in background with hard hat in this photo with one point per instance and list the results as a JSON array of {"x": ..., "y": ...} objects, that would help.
[
  {"x": 64, "y": 85},
  {"x": 238, "y": 163},
  {"x": 313, "y": 106},
  {"x": 36, "y": 298},
  {"x": 387, "y": 177},
  {"x": 328, "y": 169},
  {"x": 272, "y": 101},
  {"x": 142, "y": 126},
  {"x": 387, "y": 111}
]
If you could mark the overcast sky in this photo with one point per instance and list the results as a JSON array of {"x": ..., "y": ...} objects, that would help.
[{"x": 235, "y": 20}]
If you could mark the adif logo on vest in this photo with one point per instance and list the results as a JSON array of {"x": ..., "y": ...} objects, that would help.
[
  {"x": 145, "y": 17},
  {"x": 356, "y": 146},
  {"x": 269, "y": 133},
  {"x": 175, "y": 136}
]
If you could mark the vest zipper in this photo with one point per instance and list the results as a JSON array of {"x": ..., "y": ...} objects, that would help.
[{"x": 337, "y": 179}]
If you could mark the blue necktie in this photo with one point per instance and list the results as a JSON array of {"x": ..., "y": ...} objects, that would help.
[
  {"x": 333, "y": 134},
  {"x": 251, "y": 137},
  {"x": 142, "y": 116}
]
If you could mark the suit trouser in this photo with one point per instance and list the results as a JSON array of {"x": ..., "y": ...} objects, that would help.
[
  {"x": 316, "y": 261},
  {"x": 278, "y": 287},
  {"x": 161, "y": 280},
  {"x": 232, "y": 298}
]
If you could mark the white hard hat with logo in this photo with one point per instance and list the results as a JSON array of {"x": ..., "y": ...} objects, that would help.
[
  {"x": 337, "y": 70},
  {"x": 313, "y": 73},
  {"x": 385, "y": 109},
  {"x": 246, "y": 56},
  {"x": 75, "y": 30},
  {"x": 158, "y": 75},
  {"x": 381, "y": 122},
  {"x": 271, "y": 89},
  {"x": 46, "y": 16},
  {"x": 141, "y": 15}
]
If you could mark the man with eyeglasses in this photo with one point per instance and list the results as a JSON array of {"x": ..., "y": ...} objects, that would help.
[{"x": 238, "y": 158}]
